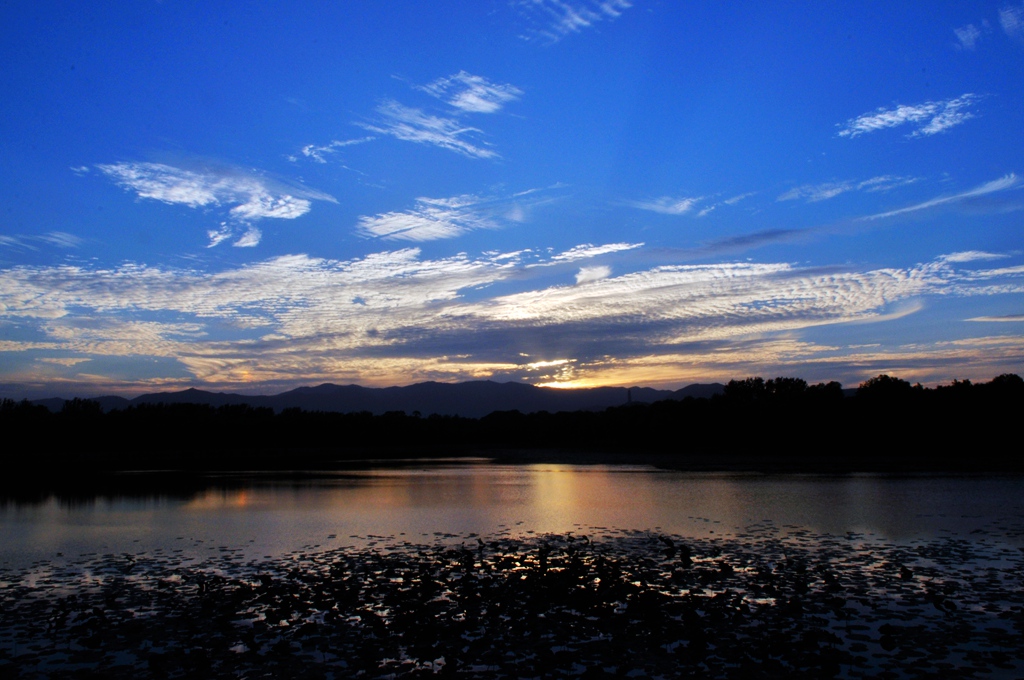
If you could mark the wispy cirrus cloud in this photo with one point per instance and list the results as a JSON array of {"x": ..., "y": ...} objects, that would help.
[
  {"x": 711, "y": 207},
  {"x": 971, "y": 256},
  {"x": 999, "y": 272},
  {"x": 885, "y": 183},
  {"x": 413, "y": 125},
  {"x": 463, "y": 91},
  {"x": 1011, "y": 18},
  {"x": 249, "y": 196},
  {"x": 472, "y": 94},
  {"x": 736, "y": 199},
  {"x": 319, "y": 153},
  {"x": 812, "y": 193},
  {"x": 60, "y": 239},
  {"x": 428, "y": 220},
  {"x": 967, "y": 36},
  {"x": 436, "y": 218},
  {"x": 1004, "y": 183},
  {"x": 699, "y": 206},
  {"x": 555, "y": 19},
  {"x": 930, "y": 117},
  {"x": 667, "y": 205}
]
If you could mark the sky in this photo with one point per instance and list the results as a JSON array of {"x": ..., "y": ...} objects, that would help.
[{"x": 252, "y": 197}]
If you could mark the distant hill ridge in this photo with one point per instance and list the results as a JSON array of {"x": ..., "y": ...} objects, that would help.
[{"x": 473, "y": 399}]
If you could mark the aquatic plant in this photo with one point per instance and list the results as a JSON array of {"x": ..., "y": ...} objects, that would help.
[{"x": 771, "y": 602}]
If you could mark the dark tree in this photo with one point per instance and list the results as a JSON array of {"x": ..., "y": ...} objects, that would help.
[
  {"x": 81, "y": 408},
  {"x": 1007, "y": 385},
  {"x": 884, "y": 387},
  {"x": 748, "y": 389},
  {"x": 825, "y": 392},
  {"x": 786, "y": 389}
]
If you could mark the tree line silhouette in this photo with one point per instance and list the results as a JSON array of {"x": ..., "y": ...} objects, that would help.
[{"x": 776, "y": 424}]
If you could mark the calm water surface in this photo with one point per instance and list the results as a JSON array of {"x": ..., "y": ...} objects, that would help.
[{"x": 422, "y": 503}]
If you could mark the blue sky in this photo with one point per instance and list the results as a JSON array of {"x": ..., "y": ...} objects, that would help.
[{"x": 562, "y": 192}]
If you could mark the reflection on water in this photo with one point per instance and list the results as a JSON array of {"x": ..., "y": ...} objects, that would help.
[{"x": 271, "y": 516}]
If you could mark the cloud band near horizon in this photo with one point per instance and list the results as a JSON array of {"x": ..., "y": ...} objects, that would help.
[{"x": 394, "y": 317}]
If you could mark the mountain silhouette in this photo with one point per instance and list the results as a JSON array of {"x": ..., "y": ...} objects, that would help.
[{"x": 473, "y": 399}]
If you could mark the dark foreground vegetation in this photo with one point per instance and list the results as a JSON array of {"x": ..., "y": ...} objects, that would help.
[
  {"x": 779, "y": 424},
  {"x": 766, "y": 604}
]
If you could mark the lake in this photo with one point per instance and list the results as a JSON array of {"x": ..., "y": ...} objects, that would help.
[
  {"x": 473, "y": 568},
  {"x": 267, "y": 515}
]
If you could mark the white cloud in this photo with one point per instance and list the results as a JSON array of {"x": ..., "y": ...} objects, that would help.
[
  {"x": 588, "y": 274},
  {"x": 979, "y": 274},
  {"x": 436, "y": 218},
  {"x": 813, "y": 193},
  {"x": 970, "y": 256},
  {"x": 64, "y": 361},
  {"x": 318, "y": 153},
  {"x": 555, "y": 19},
  {"x": 816, "y": 192},
  {"x": 169, "y": 184},
  {"x": 428, "y": 221},
  {"x": 1012, "y": 20},
  {"x": 251, "y": 197},
  {"x": 217, "y": 236},
  {"x": 929, "y": 117},
  {"x": 262, "y": 290},
  {"x": 249, "y": 239},
  {"x": 1002, "y": 184},
  {"x": 968, "y": 36},
  {"x": 587, "y": 251},
  {"x": 266, "y": 206},
  {"x": 885, "y": 183},
  {"x": 463, "y": 91},
  {"x": 683, "y": 205},
  {"x": 472, "y": 94},
  {"x": 736, "y": 199},
  {"x": 413, "y": 125},
  {"x": 666, "y": 205},
  {"x": 1006, "y": 318},
  {"x": 696, "y": 303}
]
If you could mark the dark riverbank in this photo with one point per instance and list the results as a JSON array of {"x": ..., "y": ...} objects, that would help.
[{"x": 774, "y": 426}]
